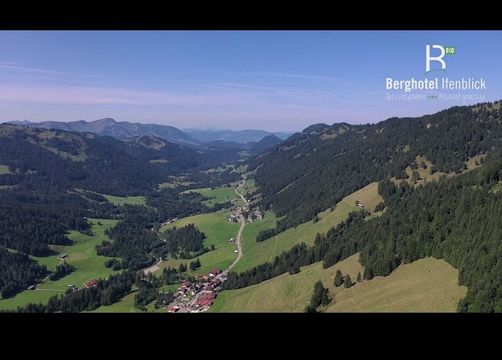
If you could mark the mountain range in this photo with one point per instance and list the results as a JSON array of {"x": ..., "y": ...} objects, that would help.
[
  {"x": 116, "y": 129},
  {"x": 238, "y": 136},
  {"x": 124, "y": 130}
]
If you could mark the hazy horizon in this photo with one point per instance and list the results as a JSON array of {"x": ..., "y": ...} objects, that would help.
[{"x": 278, "y": 81}]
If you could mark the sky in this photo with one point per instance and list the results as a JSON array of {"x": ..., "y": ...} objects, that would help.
[{"x": 271, "y": 80}]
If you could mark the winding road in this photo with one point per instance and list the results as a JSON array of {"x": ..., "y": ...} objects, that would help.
[{"x": 242, "y": 221}]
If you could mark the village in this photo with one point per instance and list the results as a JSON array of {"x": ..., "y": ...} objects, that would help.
[
  {"x": 249, "y": 215},
  {"x": 199, "y": 295},
  {"x": 196, "y": 294}
]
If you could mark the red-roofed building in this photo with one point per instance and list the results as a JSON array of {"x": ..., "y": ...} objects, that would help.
[
  {"x": 91, "y": 283},
  {"x": 205, "y": 299}
]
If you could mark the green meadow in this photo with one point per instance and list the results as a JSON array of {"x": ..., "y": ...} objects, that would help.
[
  {"x": 129, "y": 200},
  {"x": 82, "y": 255},
  {"x": 256, "y": 253},
  {"x": 215, "y": 196},
  {"x": 426, "y": 285},
  {"x": 218, "y": 231}
]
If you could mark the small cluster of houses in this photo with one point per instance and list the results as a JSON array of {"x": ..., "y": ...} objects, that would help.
[
  {"x": 199, "y": 295},
  {"x": 255, "y": 215},
  {"x": 250, "y": 215}
]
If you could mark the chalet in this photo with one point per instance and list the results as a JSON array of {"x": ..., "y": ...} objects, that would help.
[
  {"x": 205, "y": 299},
  {"x": 91, "y": 283},
  {"x": 62, "y": 256},
  {"x": 32, "y": 287}
]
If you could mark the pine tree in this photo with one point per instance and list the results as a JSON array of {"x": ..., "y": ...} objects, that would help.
[
  {"x": 338, "y": 278},
  {"x": 319, "y": 296},
  {"x": 347, "y": 282}
]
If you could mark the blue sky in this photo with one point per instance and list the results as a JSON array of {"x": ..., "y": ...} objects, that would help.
[{"x": 220, "y": 79}]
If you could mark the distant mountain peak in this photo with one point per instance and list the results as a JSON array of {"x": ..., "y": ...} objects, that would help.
[
  {"x": 315, "y": 128},
  {"x": 120, "y": 130},
  {"x": 107, "y": 121},
  {"x": 239, "y": 136}
]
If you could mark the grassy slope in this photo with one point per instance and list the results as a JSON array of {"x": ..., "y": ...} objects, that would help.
[
  {"x": 426, "y": 174},
  {"x": 130, "y": 200},
  {"x": 424, "y": 285},
  {"x": 256, "y": 253},
  {"x": 216, "y": 196},
  {"x": 218, "y": 231},
  {"x": 125, "y": 305},
  {"x": 82, "y": 255},
  {"x": 285, "y": 293}
]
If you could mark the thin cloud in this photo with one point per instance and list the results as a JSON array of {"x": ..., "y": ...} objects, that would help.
[
  {"x": 277, "y": 74},
  {"x": 14, "y": 67},
  {"x": 104, "y": 95}
]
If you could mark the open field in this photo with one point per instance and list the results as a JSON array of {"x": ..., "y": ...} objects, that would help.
[
  {"x": 82, "y": 255},
  {"x": 130, "y": 200},
  {"x": 174, "y": 181},
  {"x": 167, "y": 185},
  {"x": 429, "y": 285},
  {"x": 218, "y": 170},
  {"x": 215, "y": 196},
  {"x": 284, "y": 293},
  {"x": 4, "y": 169},
  {"x": 218, "y": 231},
  {"x": 125, "y": 305},
  {"x": 425, "y": 285},
  {"x": 256, "y": 253}
]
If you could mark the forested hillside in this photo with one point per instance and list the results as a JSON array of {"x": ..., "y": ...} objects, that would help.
[
  {"x": 312, "y": 171},
  {"x": 457, "y": 219},
  {"x": 51, "y": 182}
]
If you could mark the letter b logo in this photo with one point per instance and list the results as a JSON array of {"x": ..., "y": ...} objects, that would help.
[{"x": 429, "y": 58}]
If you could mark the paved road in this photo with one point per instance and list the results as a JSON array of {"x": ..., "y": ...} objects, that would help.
[
  {"x": 242, "y": 221},
  {"x": 152, "y": 268}
]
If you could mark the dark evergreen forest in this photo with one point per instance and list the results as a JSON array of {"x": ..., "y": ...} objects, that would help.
[
  {"x": 455, "y": 219},
  {"x": 295, "y": 180}
]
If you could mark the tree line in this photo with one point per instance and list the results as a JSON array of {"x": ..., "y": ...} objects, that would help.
[
  {"x": 295, "y": 182},
  {"x": 456, "y": 219}
]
